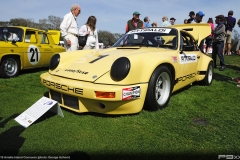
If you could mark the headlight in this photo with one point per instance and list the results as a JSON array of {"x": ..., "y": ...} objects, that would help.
[
  {"x": 120, "y": 69},
  {"x": 54, "y": 61}
]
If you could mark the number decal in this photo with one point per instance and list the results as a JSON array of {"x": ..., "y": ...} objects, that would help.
[
  {"x": 34, "y": 57},
  {"x": 33, "y": 54}
]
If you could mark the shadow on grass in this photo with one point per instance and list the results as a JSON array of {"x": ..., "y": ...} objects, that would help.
[
  {"x": 10, "y": 140},
  {"x": 34, "y": 70},
  {"x": 5, "y": 121},
  {"x": 233, "y": 67}
]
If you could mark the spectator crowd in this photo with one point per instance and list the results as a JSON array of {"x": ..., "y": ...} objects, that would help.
[{"x": 220, "y": 39}]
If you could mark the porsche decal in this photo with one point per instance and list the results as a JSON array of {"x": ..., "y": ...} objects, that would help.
[
  {"x": 63, "y": 87},
  {"x": 131, "y": 93},
  {"x": 33, "y": 54},
  {"x": 184, "y": 78},
  {"x": 189, "y": 58}
]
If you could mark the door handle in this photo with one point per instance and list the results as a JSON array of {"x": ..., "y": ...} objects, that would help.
[
  {"x": 198, "y": 57},
  {"x": 39, "y": 46}
]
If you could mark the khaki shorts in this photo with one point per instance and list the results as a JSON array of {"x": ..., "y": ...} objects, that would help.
[{"x": 228, "y": 37}]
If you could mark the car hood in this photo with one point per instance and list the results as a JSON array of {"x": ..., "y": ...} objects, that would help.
[{"x": 94, "y": 64}]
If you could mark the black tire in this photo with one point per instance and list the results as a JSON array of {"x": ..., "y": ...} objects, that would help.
[
  {"x": 207, "y": 81},
  {"x": 10, "y": 67},
  {"x": 159, "y": 89}
]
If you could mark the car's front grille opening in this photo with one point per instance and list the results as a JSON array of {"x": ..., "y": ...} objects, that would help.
[
  {"x": 56, "y": 96},
  {"x": 70, "y": 101}
]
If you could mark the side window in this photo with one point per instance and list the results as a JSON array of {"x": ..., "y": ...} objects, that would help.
[
  {"x": 187, "y": 42},
  {"x": 30, "y": 37},
  {"x": 43, "y": 38}
]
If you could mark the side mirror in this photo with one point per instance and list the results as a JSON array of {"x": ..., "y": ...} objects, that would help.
[{"x": 14, "y": 41}]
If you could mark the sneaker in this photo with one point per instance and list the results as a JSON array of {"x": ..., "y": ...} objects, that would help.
[{"x": 222, "y": 68}]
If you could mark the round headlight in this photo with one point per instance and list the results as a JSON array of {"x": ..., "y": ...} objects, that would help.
[
  {"x": 120, "y": 69},
  {"x": 54, "y": 61}
]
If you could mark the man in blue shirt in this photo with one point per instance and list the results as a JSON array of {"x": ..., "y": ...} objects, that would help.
[
  {"x": 231, "y": 21},
  {"x": 147, "y": 22}
]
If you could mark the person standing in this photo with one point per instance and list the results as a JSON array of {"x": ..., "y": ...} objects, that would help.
[
  {"x": 154, "y": 24},
  {"x": 90, "y": 29},
  {"x": 165, "y": 22},
  {"x": 192, "y": 17},
  {"x": 147, "y": 22},
  {"x": 69, "y": 28},
  {"x": 172, "y": 20},
  {"x": 218, "y": 42},
  {"x": 231, "y": 21},
  {"x": 135, "y": 22},
  {"x": 209, "y": 39},
  {"x": 185, "y": 21},
  {"x": 198, "y": 18}
]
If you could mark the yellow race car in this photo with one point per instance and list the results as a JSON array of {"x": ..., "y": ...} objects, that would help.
[
  {"x": 142, "y": 69},
  {"x": 25, "y": 48}
]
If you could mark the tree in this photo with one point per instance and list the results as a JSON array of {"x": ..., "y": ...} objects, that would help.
[
  {"x": 108, "y": 38},
  {"x": 236, "y": 37},
  {"x": 52, "y": 22}
]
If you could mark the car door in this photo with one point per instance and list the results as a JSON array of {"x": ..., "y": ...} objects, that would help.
[
  {"x": 46, "y": 47},
  {"x": 188, "y": 60},
  {"x": 32, "y": 50}
]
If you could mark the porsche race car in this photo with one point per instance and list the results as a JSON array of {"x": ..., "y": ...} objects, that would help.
[
  {"x": 25, "y": 48},
  {"x": 141, "y": 70}
]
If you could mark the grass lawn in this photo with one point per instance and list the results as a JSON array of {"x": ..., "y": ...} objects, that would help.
[{"x": 199, "y": 121}]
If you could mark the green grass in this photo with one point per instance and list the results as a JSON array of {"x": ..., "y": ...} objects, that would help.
[{"x": 169, "y": 133}]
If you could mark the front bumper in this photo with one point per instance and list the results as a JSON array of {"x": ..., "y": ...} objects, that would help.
[{"x": 79, "y": 96}]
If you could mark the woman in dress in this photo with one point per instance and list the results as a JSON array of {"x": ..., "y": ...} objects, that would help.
[{"x": 90, "y": 29}]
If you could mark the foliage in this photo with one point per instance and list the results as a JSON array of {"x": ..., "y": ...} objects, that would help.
[
  {"x": 235, "y": 39},
  {"x": 107, "y": 38}
]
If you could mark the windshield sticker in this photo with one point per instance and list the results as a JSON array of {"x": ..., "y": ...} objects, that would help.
[
  {"x": 131, "y": 93},
  {"x": 33, "y": 54},
  {"x": 160, "y": 30},
  {"x": 135, "y": 36},
  {"x": 189, "y": 58}
]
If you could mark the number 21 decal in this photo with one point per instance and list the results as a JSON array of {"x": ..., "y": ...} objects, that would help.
[
  {"x": 34, "y": 57},
  {"x": 33, "y": 54}
]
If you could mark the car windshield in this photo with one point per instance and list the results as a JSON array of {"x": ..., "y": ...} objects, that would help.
[
  {"x": 150, "y": 37},
  {"x": 10, "y": 34}
]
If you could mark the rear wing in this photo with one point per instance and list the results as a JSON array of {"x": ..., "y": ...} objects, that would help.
[
  {"x": 55, "y": 35},
  {"x": 198, "y": 30}
]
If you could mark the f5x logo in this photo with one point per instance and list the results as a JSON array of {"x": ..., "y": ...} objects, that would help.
[{"x": 228, "y": 157}]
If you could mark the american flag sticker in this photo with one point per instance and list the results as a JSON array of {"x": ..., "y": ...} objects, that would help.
[{"x": 174, "y": 58}]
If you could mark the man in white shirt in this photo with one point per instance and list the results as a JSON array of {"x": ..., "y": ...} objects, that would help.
[
  {"x": 69, "y": 28},
  {"x": 165, "y": 22}
]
